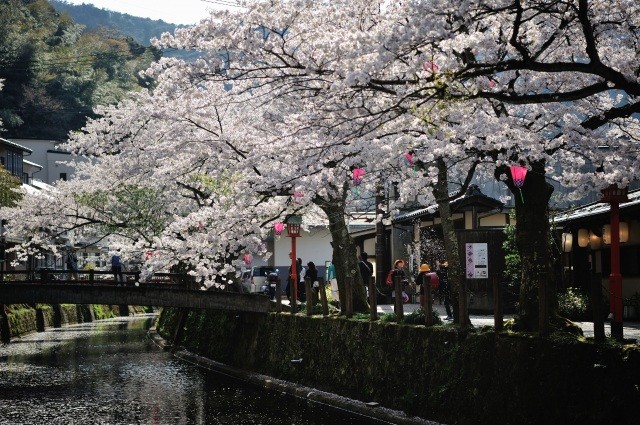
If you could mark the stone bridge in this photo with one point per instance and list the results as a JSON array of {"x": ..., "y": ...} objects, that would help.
[{"x": 143, "y": 295}]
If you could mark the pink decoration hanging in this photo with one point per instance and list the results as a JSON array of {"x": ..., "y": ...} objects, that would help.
[
  {"x": 518, "y": 174},
  {"x": 278, "y": 228},
  {"x": 358, "y": 174},
  {"x": 409, "y": 157},
  {"x": 297, "y": 196},
  {"x": 247, "y": 259}
]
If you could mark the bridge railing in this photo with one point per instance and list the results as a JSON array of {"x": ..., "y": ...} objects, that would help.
[{"x": 95, "y": 277}]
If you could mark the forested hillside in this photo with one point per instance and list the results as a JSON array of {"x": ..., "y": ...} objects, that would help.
[
  {"x": 140, "y": 29},
  {"x": 55, "y": 72}
]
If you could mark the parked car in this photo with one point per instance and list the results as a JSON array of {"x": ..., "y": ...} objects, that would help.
[{"x": 254, "y": 280}]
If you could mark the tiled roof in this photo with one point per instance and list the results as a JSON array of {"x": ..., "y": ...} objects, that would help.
[{"x": 595, "y": 208}]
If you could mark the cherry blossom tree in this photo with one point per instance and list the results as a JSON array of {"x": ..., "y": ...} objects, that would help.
[{"x": 290, "y": 96}]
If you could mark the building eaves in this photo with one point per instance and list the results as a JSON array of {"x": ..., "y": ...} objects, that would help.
[
  {"x": 472, "y": 198},
  {"x": 14, "y": 145},
  {"x": 33, "y": 164},
  {"x": 594, "y": 209}
]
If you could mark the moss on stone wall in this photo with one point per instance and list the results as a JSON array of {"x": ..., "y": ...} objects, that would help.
[
  {"x": 22, "y": 317},
  {"x": 435, "y": 373}
]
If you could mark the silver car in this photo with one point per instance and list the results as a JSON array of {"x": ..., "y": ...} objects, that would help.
[{"x": 254, "y": 280}]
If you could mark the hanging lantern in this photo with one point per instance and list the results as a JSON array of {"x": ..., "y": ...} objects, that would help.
[
  {"x": 567, "y": 242},
  {"x": 594, "y": 241},
  {"x": 358, "y": 174},
  {"x": 583, "y": 238},
  {"x": 518, "y": 174},
  {"x": 278, "y": 228},
  {"x": 623, "y": 232},
  {"x": 247, "y": 259},
  {"x": 409, "y": 158}
]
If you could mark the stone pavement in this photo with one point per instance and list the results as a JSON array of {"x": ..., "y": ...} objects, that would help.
[{"x": 631, "y": 329}]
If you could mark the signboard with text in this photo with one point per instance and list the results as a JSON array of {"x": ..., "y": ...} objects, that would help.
[{"x": 477, "y": 260}]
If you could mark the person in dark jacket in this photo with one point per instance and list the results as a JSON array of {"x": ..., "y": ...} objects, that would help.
[
  {"x": 289, "y": 288},
  {"x": 443, "y": 275},
  {"x": 366, "y": 271},
  {"x": 311, "y": 276},
  {"x": 399, "y": 273}
]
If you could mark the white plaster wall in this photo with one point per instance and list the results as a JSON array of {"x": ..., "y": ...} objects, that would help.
[{"x": 313, "y": 245}]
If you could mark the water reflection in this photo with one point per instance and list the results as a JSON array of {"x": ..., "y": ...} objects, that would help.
[{"x": 109, "y": 372}]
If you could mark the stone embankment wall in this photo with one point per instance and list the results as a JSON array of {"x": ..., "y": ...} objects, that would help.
[
  {"x": 20, "y": 319},
  {"x": 434, "y": 373}
]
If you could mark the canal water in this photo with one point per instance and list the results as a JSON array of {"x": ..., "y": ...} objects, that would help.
[{"x": 110, "y": 372}]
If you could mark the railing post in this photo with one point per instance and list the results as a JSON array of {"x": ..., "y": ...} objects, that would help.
[
  {"x": 498, "y": 314},
  {"x": 309, "y": 294},
  {"x": 348, "y": 297},
  {"x": 543, "y": 308},
  {"x": 373, "y": 301},
  {"x": 428, "y": 296},
  {"x": 278, "y": 296},
  {"x": 323, "y": 299},
  {"x": 398, "y": 299},
  {"x": 91, "y": 277},
  {"x": 596, "y": 305},
  {"x": 43, "y": 276}
]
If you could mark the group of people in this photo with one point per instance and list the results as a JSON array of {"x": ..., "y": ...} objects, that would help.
[
  {"x": 438, "y": 279},
  {"x": 308, "y": 274},
  {"x": 72, "y": 266}
]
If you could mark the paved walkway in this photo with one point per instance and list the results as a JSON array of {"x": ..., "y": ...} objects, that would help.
[{"x": 631, "y": 329}]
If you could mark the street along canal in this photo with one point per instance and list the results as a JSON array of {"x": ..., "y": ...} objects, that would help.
[{"x": 110, "y": 372}]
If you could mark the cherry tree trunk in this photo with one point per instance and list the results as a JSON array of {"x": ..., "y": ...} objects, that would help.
[
  {"x": 533, "y": 241},
  {"x": 457, "y": 284},
  {"x": 344, "y": 258}
]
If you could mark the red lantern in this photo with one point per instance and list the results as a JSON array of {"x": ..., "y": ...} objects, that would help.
[
  {"x": 358, "y": 174},
  {"x": 409, "y": 157},
  {"x": 518, "y": 174},
  {"x": 278, "y": 228}
]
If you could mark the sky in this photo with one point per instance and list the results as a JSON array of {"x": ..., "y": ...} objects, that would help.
[{"x": 172, "y": 11}]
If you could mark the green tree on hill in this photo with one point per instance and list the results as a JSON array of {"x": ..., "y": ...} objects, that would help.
[{"x": 55, "y": 72}]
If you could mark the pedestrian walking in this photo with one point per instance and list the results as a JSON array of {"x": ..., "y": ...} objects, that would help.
[
  {"x": 302, "y": 288},
  {"x": 366, "y": 271},
  {"x": 443, "y": 274},
  {"x": 289, "y": 288},
  {"x": 399, "y": 273},
  {"x": 72, "y": 264},
  {"x": 422, "y": 280},
  {"x": 116, "y": 268},
  {"x": 311, "y": 275}
]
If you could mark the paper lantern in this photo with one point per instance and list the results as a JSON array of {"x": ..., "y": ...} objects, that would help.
[
  {"x": 518, "y": 174},
  {"x": 594, "y": 241},
  {"x": 278, "y": 228},
  {"x": 358, "y": 174},
  {"x": 567, "y": 242},
  {"x": 583, "y": 238},
  {"x": 623, "y": 232}
]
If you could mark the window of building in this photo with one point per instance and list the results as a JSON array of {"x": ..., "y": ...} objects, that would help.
[{"x": 63, "y": 176}]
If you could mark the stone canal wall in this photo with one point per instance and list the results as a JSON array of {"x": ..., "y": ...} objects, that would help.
[
  {"x": 20, "y": 319},
  {"x": 434, "y": 373}
]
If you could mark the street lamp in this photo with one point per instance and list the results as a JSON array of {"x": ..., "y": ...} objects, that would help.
[
  {"x": 293, "y": 231},
  {"x": 614, "y": 196}
]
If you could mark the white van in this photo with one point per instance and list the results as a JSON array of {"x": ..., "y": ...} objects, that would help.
[{"x": 254, "y": 280}]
